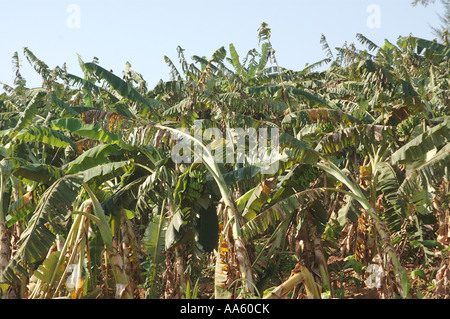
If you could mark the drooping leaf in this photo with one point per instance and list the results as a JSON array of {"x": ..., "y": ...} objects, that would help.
[
  {"x": 256, "y": 198},
  {"x": 92, "y": 131},
  {"x": 175, "y": 75},
  {"x": 26, "y": 117},
  {"x": 429, "y": 173},
  {"x": 153, "y": 238},
  {"x": 434, "y": 51},
  {"x": 102, "y": 221},
  {"x": 325, "y": 46},
  {"x": 179, "y": 229},
  {"x": 278, "y": 212},
  {"x": 370, "y": 45},
  {"x": 298, "y": 149},
  {"x": 354, "y": 136},
  {"x": 348, "y": 210},
  {"x": 23, "y": 206},
  {"x": 122, "y": 87},
  {"x": 41, "y": 173},
  {"x": 104, "y": 172},
  {"x": 52, "y": 210},
  {"x": 45, "y": 135},
  {"x": 40, "y": 66},
  {"x": 270, "y": 90},
  {"x": 317, "y": 115},
  {"x": 66, "y": 107},
  {"x": 47, "y": 269},
  {"x": 93, "y": 157},
  {"x": 419, "y": 146}
]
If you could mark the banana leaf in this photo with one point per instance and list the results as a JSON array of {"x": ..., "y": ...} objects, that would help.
[
  {"x": 418, "y": 147},
  {"x": 122, "y": 87},
  {"x": 45, "y": 135},
  {"x": 41, "y": 173},
  {"x": 311, "y": 116},
  {"x": 53, "y": 210},
  {"x": 93, "y": 157},
  {"x": 429, "y": 173},
  {"x": 92, "y": 131}
]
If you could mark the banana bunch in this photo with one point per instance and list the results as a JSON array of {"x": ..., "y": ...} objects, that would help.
[
  {"x": 308, "y": 174},
  {"x": 406, "y": 127},
  {"x": 326, "y": 127},
  {"x": 195, "y": 185},
  {"x": 69, "y": 153},
  {"x": 287, "y": 262}
]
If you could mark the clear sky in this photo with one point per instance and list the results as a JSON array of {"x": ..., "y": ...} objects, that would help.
[{"x": 143, "y": 31}]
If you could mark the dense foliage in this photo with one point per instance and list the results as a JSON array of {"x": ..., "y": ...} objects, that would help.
[{"x": 92, "y": 204}]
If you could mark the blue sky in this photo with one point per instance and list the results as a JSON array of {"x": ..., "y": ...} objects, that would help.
[{"x": 143, "y": 31}]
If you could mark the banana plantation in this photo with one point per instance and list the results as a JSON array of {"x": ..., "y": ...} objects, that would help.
[{"x": 94, "y": 204}]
